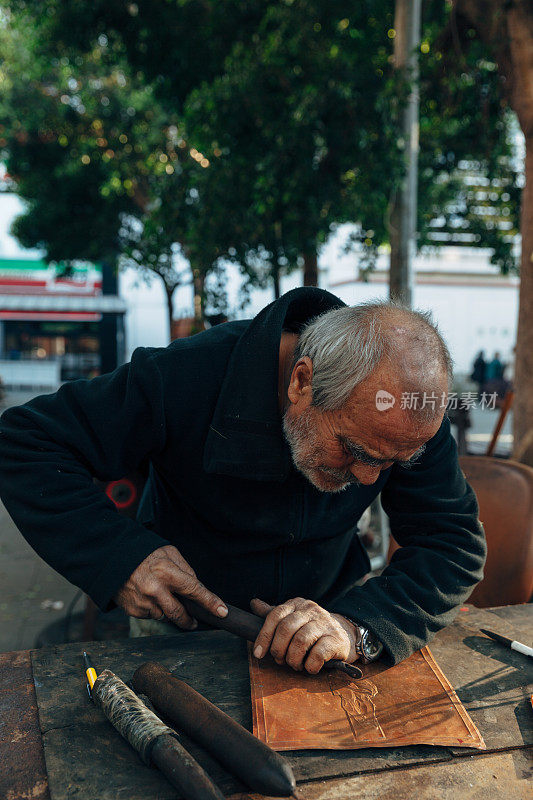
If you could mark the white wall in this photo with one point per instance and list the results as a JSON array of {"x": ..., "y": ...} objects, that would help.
[
  {"x": 146, "y": 320},
  {"x": 31, "y": 374},
  {"x": 471, "y": 318}
]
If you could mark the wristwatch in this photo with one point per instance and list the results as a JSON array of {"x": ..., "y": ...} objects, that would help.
[{"x": 367, "y": 646}]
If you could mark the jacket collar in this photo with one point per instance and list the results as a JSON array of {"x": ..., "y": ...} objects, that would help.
[{"x": 245, "y": 438}]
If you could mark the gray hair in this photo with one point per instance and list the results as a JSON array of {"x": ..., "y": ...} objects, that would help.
[{"x": 347, "y": 344}]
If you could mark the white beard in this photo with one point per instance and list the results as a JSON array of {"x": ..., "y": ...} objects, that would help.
[{"x": 307, "y": 453}]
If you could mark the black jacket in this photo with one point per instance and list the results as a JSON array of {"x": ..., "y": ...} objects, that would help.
[{"x": 204, "y": 413}]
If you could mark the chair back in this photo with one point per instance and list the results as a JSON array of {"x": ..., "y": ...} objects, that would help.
[{"x": 504, "y": 490}]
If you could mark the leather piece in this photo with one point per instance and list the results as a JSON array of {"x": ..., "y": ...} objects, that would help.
[{"x": 409, "y": 703}]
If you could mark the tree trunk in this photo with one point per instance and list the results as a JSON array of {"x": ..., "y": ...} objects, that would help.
[
  {"x": 400, "y": 266},
  {"x": 275, "y": 280},
  {"x": 403, "y": 217},
  {"x": 520, "y": 27},
  {"x": 111, "y": 326},
  {"x": 311, "y": 269},
  {"x": 169, "y": 291},
  {"x": 523, "y": 400},
  {"x": 507, "y": 28},
  {"x": 198, "y": 282}
]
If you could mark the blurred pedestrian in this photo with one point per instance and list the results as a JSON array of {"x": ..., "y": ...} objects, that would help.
[
  {"x": 479, "y": 371},
  {"x": 459, "y": 414},
  {"x": 494, "y": 369},
  {"x": 495, "y": 383}
]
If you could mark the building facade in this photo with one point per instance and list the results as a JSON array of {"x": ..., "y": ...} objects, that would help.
[{"x": 55, "y": 321}]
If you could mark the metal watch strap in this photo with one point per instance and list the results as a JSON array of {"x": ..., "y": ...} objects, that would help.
[{"x": 364, "y": 633}]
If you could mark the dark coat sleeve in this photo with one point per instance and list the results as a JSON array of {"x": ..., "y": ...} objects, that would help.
[
  {"x": 50, "y": 450},
  {"x": 433, "y": 515}
]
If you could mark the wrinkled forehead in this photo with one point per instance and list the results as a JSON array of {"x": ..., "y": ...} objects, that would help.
[
  {"x": 380, "y": 411},
  {"x": 390, "y": 434},
  {"x": 408, "y": 375}
]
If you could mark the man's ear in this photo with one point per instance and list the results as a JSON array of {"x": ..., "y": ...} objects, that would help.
[{"x": 300, "y": 388}]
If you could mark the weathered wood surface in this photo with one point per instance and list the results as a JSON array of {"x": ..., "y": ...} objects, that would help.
[
  {"x": 22, "y": 768},
  {"x": 490, "y": 680},
  {"x": 508, "y": 774},
  {"x": 494, "y": 682},
  {"x": 76, "y": 736},
  {"x": 479, "y": 680}
]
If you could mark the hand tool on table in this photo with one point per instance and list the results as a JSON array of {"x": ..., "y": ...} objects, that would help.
[
  {"x": 255, "y": 763},
  {"x": 247, "y": 625},
  {"x": 155, "y": 742},
  {"x": 512, "y": 644}
]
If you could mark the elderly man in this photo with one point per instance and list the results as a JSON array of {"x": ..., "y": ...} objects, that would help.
[{"x": 266, "y": 440}]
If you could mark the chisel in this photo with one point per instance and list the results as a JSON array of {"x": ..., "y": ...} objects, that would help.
[{"x": 247, "y": 625}]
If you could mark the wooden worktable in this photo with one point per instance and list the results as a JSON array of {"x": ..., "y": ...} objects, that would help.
[{"x": 493, "y": 683}]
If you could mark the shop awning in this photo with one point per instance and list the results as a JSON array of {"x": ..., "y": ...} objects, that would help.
[{"x": 59, "y": 307}]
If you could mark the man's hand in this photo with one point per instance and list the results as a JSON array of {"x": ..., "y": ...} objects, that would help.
[
  {"x": 303, "y": 634},
  {"x": 150, "y": 591}
]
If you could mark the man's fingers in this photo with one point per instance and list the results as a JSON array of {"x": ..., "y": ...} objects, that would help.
[
  {"x": 301, "y": 633},
  {"x": 157, "y": 613},
  {"x": 302, "y": 641},
  {"x": 323, "y": 650},
  {"x": 259, "y": 607},
  {"x": 175, "y": 556},
  {"x": 177, "y": 613},
  {"x": 142, "y": 610},
  {"x": 286, "y": 630},
  {"x": 149, "y": 590},
  {"x": 189, "y": 586},
  {"x": 274, "y": 617}
]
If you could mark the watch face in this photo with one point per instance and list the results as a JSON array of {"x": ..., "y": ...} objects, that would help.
[{"x": 370, "y": 646}]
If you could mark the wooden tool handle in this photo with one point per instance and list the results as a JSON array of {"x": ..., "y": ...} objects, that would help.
[
  {"x": 241, "y": 623},
  {"x": 128, "y": 714},
  {"x": 182, "y": 771},
  {"x": 257, "y": 765},
  {"x": 247, "y": 625}
]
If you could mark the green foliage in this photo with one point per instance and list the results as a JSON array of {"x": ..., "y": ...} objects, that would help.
[
  {"x": 44, "y": 138},
  {"x": 174, "y": 44},
  {"x": 243, "y": 130},
  {"x": 102, "y": 166},
  {"x": 298, "y": 129},
  {"x": 469, "y": 178}
]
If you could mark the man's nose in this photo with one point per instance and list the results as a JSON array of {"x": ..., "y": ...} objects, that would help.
[{"x": 365, "y": 474}]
